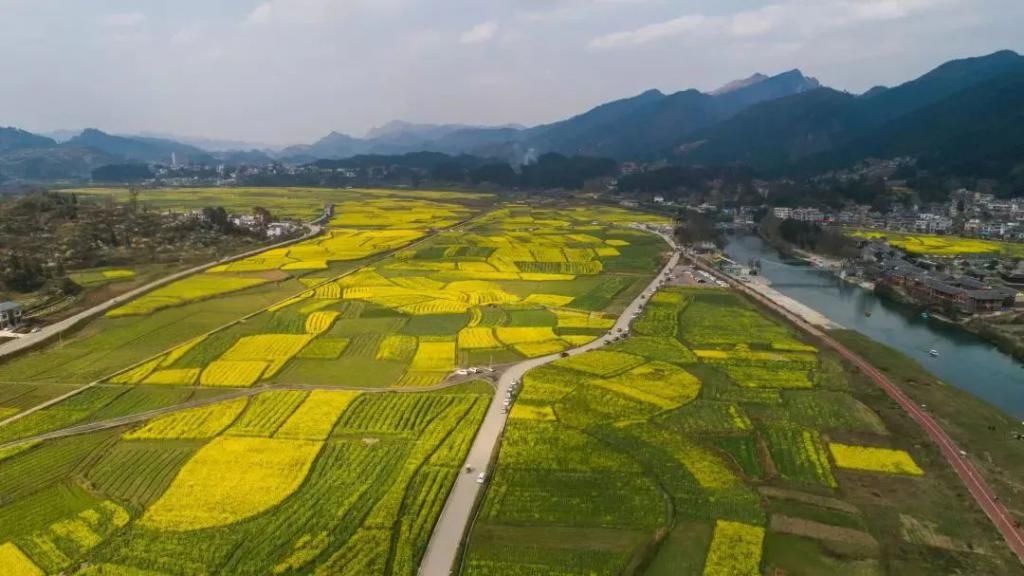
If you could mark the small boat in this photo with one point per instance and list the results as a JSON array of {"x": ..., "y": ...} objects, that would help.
[
  {"x": 924, "y": 315},
  {"x": 933, "y": 353},
  {"x": 868, "y": 314}
]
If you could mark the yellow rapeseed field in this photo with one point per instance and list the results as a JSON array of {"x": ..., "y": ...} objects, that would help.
[
  {"x": 315, "y": 417},
  {"x": 193, "y": 423},
  {"x": 230, "y": 479},
  {"x": 933, "y": 245},
  {"x": 434, "y": 357},
  {"x": 138, "y": 374},
  {"x": 549, "y": 300},
  {"x": 237, "y": 373},
  {"x": 663, "y": 385},
  {"x": 524, "y": 411},
  {"x": 735, "y": 550},
  {"x": 14, "y": 562},
  {"x": 519, "y": 335},
  {"x": 179, "y": 377},
  {"x": 320, "y": 322},
  {"x": 198, "y": 287},
  {"x": 874, "y": 459},
  {"x": 475, "y": 338},
  {"x": 572, "y": 319},
  {"x": 397, "y": 347},
  {"x": 275, "y": 349},
  {"x": 538, "y": 349}
]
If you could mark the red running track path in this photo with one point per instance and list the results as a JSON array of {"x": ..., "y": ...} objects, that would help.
[{"x": 964, "y": 468}]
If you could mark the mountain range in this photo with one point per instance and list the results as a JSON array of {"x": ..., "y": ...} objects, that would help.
[{"x": 965, "y": 114}]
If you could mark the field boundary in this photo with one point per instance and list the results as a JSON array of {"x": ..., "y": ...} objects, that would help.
[
  {"x": 231, "y": 394},
  {"x": 319, "y": 229},
  {"x": 30, "y": 342}
]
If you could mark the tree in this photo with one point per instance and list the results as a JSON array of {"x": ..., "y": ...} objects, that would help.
[
  {"x": 262, "y": 215},
  {"x": 217, "y": 217}
]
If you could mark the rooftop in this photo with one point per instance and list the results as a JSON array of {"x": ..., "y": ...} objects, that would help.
[{"x": 5, "y": 306}]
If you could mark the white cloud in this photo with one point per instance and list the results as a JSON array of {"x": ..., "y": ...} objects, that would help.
[
  {"x": 188, "y": 35},
  {"x": 260, "y": 14},
  {"x": 480, "y": 33},
  {"x": 755, "y": 22},
  {"x": 802, "y": 18},
  {"x": 650, "y": 33},
  {"x": 123, "y": 20}
]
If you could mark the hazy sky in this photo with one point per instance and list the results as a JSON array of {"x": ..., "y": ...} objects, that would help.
[{"x": 284, "y": 71}]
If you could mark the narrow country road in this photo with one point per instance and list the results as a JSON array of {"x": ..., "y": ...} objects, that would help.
[
  {"x": 53, "y": 330},
  {"x": 456, "y": 516},
  {"x": 958, "y": 459},
  {"x": 77, "y": 429},
  {"x": 315, "y": 229}
]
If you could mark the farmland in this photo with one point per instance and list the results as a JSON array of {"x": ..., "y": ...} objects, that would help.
[
  {"x": 290, "y": 411},
  {"x": 934, "y": 245},
  {"x": 294, "y": 413},
  {"x": 717, "y": 442},
  {"x": 286, "y": 482}
]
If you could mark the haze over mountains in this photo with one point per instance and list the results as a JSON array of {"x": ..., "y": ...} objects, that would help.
[{"x": 966, "y": 112}]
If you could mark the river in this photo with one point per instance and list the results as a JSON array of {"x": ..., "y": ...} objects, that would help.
[{"x": 965, "y": 361}]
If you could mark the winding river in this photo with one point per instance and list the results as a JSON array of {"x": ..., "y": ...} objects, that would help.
[{"x": 965, "y": 361}]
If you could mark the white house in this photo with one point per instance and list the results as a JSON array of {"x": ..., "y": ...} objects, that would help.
[{"x": 10, "y": 315}]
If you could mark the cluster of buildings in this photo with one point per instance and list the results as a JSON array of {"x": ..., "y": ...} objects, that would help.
[
  {"x": 968, "y": 291},
  {"x": 802, "y": 214},
  {"x": 968, "y": 213}
]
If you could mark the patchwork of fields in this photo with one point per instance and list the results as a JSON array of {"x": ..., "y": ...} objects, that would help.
[
  {"x": 294, "y": 416},
  {"x": 286, "y": 482},
  {"x": 715, "y": 442},
  {"x": 302, "y": 475}
]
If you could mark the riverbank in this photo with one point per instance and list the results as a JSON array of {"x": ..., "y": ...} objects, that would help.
[
  {"x": 908, "y": 419},
  {"x": 1009, "y": 338},
  {"x": 966, "y": 361},
  {"x": 986, "y": 433},
  {"x": 804, "y": 312}
]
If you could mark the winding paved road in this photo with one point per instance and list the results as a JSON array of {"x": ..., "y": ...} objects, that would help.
[
  {"x": 958, "y": 459},
  {"x": 457, "y": 514}
]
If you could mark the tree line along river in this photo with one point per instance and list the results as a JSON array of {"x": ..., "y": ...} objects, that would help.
[{"x": 965, "y": 360}]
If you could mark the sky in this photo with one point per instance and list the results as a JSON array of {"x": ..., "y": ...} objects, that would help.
[{"x": 290, "y": 71}]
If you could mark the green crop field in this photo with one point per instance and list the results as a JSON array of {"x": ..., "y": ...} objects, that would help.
[
  {"x": 701, "y": 447},
  {"x": 238, "y": 450},
  {"x": 294, "y": 413}
]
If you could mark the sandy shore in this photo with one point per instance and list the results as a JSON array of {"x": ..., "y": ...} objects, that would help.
[{"x": 806, "y": 313}]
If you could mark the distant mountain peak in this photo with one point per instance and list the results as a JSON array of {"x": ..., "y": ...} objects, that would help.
[
  {"x": 398, "y": 127},
  {"x": 874, "y": 91},
  {"x": 336, "y": 136},
  {"x": 738, "y": 84}
]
